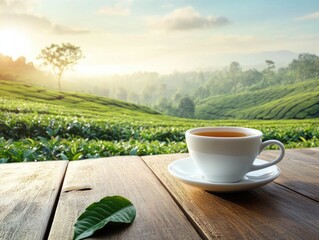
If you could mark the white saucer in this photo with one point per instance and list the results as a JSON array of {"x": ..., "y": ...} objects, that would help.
[{"x": 186, "y": 171}]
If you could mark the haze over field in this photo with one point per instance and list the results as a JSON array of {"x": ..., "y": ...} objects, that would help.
[{"x": 126, "y": 36}]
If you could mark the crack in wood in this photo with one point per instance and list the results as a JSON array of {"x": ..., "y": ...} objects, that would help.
[{"x": 77, "y": 188}]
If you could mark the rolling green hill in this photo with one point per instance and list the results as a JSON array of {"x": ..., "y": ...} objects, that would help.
[
  {"x": 296, "y": 101},
  {"x": 66, "y": 102}
]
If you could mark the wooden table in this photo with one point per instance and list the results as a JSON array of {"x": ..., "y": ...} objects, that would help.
[{"x": 42, "y": 200}]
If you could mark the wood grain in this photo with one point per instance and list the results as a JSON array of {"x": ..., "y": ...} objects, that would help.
[
  {"x": 28, "y": 192},
  {"x": 270, "y": 212},
  {"x": 87, "y": 181},
  {"x": 300, "y": 170}
]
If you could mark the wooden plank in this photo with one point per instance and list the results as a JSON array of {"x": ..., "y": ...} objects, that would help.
[
  {"x": 310, "y": 155},
  {"x": 315, "y": 149},
  {"x": 300, "y": 170},
  {"x": 28, "y": 196},
  {"x": 87, "y": 181},
  {"x": 270, "y": 212}
]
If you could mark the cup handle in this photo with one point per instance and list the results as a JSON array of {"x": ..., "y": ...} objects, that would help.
[{"x": 277, "y": 160}]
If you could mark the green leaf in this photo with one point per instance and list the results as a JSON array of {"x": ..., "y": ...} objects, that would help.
[
  {"x": 303, "y": 139},
  {"x": 109, "y": 209},
  {"x": 63, "y": 156},
  {"x": 77, "y": 156},
  {"x": 134, "y": 151}
]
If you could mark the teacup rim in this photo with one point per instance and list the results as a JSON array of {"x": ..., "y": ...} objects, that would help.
[{"x": 256, "y": 132}]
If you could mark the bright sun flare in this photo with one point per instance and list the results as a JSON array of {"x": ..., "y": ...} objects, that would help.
[{"x": 13, "y": 43}]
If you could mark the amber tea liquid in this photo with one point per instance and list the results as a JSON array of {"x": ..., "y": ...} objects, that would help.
[{"x": 221, "y": 134}]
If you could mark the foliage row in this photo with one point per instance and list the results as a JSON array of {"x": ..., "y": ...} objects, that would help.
[
  {"x": 36, "y": 124},
  {"x": 29, "y": 137},
  {"x": 297, "y": 101}
]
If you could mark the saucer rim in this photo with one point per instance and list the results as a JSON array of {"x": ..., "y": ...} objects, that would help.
[{"x": 204, "y": 184}]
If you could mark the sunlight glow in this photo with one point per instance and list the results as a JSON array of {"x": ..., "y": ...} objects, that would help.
[
  {"x": 13, "y": 43},
  {"x": 84, "y": 69}
]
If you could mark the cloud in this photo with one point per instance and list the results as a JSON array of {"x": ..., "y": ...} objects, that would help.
[
  {"x": 60, "y": 29},
  {"x": 33, "y": 22},
  {"x": 114, "y": 11},
  {"x": 16, "y": 5},
  {"x": 17, "y": 14},
  {"x": 187, "y": 18},
  {"x": 310, "y": 16}
]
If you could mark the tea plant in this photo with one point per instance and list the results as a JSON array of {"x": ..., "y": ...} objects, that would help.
[{"x": 46, "y": 130}]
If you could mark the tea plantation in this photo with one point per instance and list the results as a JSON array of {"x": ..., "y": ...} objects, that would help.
[
  {"x": 37, "y": 124},
  {"x": 295, "y": 101}
]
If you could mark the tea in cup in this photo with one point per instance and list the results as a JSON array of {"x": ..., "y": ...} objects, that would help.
[{"x": 226, "y": 154}]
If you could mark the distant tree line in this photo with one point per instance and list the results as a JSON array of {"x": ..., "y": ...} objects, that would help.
[
  {"x": 14, "y": 69},
  {"x": 22, "y": 70},
  {"x": 177, "y": 94}
]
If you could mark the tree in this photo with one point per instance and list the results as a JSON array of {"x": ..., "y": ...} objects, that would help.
[
  {"x": 122, "y": 94},
  {"x": 234, "y": 76},
  {"x": 270, "y": 66},
  {"x": 134, "y": 97},
  {"x": 269, "y": 74},
  {"x": 201, "y": 92},
  {"x": 252, "y": 78},
  {"x": 234, "y": 68},
  {"x": 146, "y": 98},
  {"x": 163, "y": 105},
  {"x": 60, "y": 58},
  {"x": 177, "y": 97},
  {"x": 306, "y": 66},
  {"x": 186, "y": 107},
  {"x": 148, "y": 95}
]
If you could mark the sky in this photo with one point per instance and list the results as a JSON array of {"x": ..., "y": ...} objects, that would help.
[{"x": 126, "y": 36}]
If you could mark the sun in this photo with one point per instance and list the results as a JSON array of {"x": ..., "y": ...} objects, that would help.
[{"x": 13, "y": 43}]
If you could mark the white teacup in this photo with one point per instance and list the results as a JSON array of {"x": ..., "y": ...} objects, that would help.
[{"x": 226, "y": 154}]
